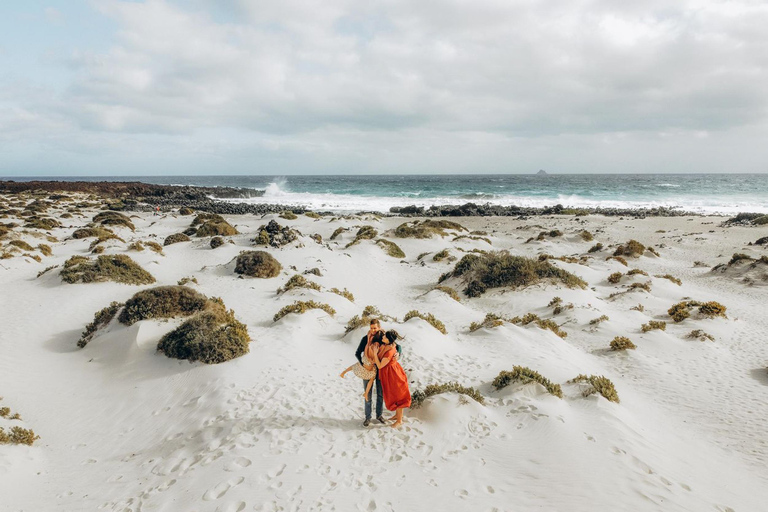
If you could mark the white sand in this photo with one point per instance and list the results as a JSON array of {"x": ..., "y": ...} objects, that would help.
[{"x": 123, "y": 428}]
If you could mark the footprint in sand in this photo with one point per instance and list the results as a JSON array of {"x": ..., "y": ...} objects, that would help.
[
  {"x": 237, "y": 464},
  {"x": 219, "y": 490},
  {"x": 238, "y": 506}
]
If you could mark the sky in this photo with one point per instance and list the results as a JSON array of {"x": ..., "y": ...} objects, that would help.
[{"x": 161, "y": 87}]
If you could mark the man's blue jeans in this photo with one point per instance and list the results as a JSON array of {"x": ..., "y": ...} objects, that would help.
[{"x": 369, "y": 399}]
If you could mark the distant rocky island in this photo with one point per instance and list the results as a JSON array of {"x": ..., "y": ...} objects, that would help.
[{"x": 542, "y": 172}]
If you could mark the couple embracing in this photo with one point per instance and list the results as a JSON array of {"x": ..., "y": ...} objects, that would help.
[{"x": 377, "y": 357}]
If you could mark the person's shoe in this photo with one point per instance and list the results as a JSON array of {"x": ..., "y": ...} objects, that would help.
[
  {"x": 381, "y": 419},
  {"x": 367, "y": 422}
]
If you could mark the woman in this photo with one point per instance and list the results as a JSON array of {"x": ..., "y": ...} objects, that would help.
[{"x": 397, "y": 396}]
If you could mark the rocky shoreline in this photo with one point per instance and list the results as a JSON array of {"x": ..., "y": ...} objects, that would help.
[{"x": 137, "y": 196}]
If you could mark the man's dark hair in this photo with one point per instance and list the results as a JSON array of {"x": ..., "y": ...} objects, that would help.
[{"x": 375, "y": 321}]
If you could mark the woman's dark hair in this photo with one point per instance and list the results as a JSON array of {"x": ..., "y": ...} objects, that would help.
[
  {"x": 392, "y": 335},
  {"x": 378, "y": 337}
]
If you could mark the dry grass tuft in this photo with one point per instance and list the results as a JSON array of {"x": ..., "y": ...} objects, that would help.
[
  {"x": 700, "y": 335},
  {"x": 100, "y": 320},
  {"x": 622, "y": 343},
  {"x": 298, "y": 281},
  {"x": 344, "y": 293},
  {"x": 391, "y": 248},
  {"x": 599, "y": 320},
  {"x": 489, "y": 322},
  {"x": 427, "y": 317},
  {"x": 631, "y": 249},
  {"x": 654, "y": 325},
  {"x": 110, "y": 218},
  {"x": 450, "y": 291},
  {"x": 541, "y": 323},
  {"x": 598, "y": 384},
  {"x": 427, "y": 228},
  {"x": 525, "y": 375},
  {"x": 615, "y": 277},
  {"x": 672, "y": 278},
  {"x": 419, "y": 397},
  {"x": 364, "y": 233},
  {"x": 300, "y": 307}
]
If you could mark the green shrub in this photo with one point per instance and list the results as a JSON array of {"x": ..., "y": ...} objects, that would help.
[
  {"x": 211, "y": 228},
  {"x": 615, "y": 277},
  {"x": 136, "y": 246},
  {"x": 212, "y": 336},
  {"x": 43, "y": 223},
  {"x": 47, "y": 269},
  {"x": 598, "y": 384},
  {"x": 298, "y": 281},
  {"x": 499, "y": 269},
  {"x": 259, "y": 264},
  {"x": 300, "y": 307},
  {"x": 287, "y": 215},
  {"x": 418, "y": 397},
  {"x": 344, "y": 293},
  {"x": 100, "y": 320},
  {"x": 450, "y": 291},
  {"x": 275, "y": 235},
  {"x": 427, "y": 228},
  {"x": 595, "y": 248},
  {"x": 632, "y": 249},
  {"x": 489, "y": 322},
  {"x": 636, "y": 271},
  {"x": 525, "y": 375},
  {"x": 428, "y": 317},
  {"x": 622, "y": 343},
  {"x": 216, "y": 241},
  {"x": 176, "y": 238},
  {"x": 556, "y": 301},
  {"x": 439, "y": 256},
  {"x": 586, "y": 236},
  {"x": 312, "y": 215},
  {"x": 599, "y": 320},
  {"x": 541, "y": 323},
  {"x": 101, "y": 233},
  {"x": 712, "y": 309},
  {"x": 118, "y": 268},
  {"x": 364, "y": 233},
  {"x": 111, "y": 218},
  {"x": 654, "y": 325},
  {"x": 21, "y": 244},
  {"x": 162, "y": 302}
]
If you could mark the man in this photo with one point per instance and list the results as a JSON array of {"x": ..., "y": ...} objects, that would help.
[{"x": 374, "y": 328}]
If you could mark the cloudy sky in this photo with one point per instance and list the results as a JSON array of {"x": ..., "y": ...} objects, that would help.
[{"x": 109, "y": 87}]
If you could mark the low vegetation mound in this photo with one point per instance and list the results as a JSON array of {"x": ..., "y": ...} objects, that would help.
[
  {"x": 420, "y": 396},
  {"x": 427, "y": 228},
  {"x": 259, "y": 264},
  {"x": 700, "y": 335},
  {"x": 100, "y": 320},
  {"x": 670, "y": 277},
  {"x": 524, "y": 375},
  {"x": 298, "y": 281},
  {"x": 599, "y": 320},
  {"x": 364, "y": 319},
  {"x": 216, "y": 241},
  {"x": 89, "y": 232},
  {"x": 175, "y": 239},
  {"x": 490, "y": 321},
  {"x": 364, "y": 233},
  {"x": 111, "y": 218},
  {"x": 117, "y": 267},
  {"x": 275, "y": 235},
  {"x": 391, "y": 248},
  {"x": 427, "y": 317},
  {"x": 622, "y": 343},
  {"x": 598, "y": 384},
  {"x": 440, "y": 256},
  {"x": 43, "y": 223},
  {"x": 654, "y": 325},
  {"x": 631, "y": 249},
  {"x": 337, "y": 232},
  {"x": 551, "y": 234},
  {"x": 186, "y": 211},
  {"x": 595, "y": 248},
  {"x": 18, "y": 435},
  {"x": 450, "y": 292},
  {"x": 300, "y": 307},
  {"x": 162, "y": 302},
  {"x": 682, "y": 310},
  {"x": 288, "y": 215},
  {"x": 212, "y": 336},
  {"x": 586, "y": 235},
  {"x": 541, "y": 323},
  {"x": 500, "y": 269},
  {"x": 615, "y": 277},
  {"x": 344, "y": 293}
]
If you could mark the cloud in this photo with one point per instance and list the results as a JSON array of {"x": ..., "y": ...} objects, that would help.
[{"x": 303, "y": 77}]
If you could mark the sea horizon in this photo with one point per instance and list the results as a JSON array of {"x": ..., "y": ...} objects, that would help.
[{"x": 703, "y": 193}]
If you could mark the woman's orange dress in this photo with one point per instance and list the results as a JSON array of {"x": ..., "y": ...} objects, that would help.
[{"x": 394, "y": 383}]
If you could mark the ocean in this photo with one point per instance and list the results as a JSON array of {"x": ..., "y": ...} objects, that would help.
[{"x": 701, "y": 193}]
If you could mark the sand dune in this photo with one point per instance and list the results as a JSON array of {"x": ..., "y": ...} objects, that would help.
[{"x": 124, "y": 428}]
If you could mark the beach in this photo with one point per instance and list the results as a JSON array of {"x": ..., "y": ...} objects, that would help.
[{"x": 124, "y": 428}]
